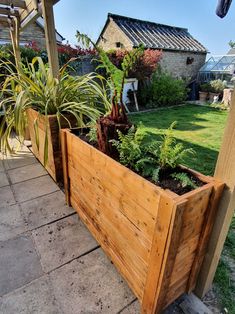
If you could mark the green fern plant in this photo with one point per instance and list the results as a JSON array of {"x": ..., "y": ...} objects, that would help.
[
  {"x": 184, "y": 180},
  {"x": 171, "y": 153},
  {"x": 129, "y": 148}
]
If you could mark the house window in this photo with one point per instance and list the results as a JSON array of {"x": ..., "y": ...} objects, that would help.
[
  {"x": 189, "y": 60},
  {"x": 119, "y": 44}
]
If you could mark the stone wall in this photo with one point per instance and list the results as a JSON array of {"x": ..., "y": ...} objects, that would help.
[
  {"x": 175, "y": 62},
  {"x": 112, "y": 35},
  {"x": 31, "y": 33}
]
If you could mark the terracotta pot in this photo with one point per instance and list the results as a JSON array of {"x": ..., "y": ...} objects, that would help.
[{"x": 203, "y": 96}]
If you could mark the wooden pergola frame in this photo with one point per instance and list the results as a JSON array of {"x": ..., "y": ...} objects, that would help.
[{"x": 17, "y": 14}]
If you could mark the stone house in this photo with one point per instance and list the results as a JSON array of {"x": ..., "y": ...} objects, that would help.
[
  {"x": 34, "y": 32},
  {"x": 183, "y": 55}
]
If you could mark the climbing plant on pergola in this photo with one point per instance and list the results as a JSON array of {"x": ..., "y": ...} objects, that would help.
[{"x": 17, "y": 14}]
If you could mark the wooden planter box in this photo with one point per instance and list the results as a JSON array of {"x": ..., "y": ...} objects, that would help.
[
  {"x": 156, "y": 238},
  {"x": 54, "y": 163}
]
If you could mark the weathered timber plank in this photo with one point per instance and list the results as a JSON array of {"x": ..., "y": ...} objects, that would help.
[
  {"x": 173, "y": 243},
  {"x": 132, "y": 278},
  {"x": 205, "y": 234},
  {"x": 123, "y": 178},
  {"x": 159, "y": 252},
  {"x": 128, "y": 206},
  {"x": 104, "y": 213}
]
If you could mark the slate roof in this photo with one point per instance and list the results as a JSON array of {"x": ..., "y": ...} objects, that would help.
[{"x": 157, "y": 36}]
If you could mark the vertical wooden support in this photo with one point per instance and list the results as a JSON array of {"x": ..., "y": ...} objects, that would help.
[
  {"x": 225, "y": 172},
  {"x": 162, "y": 256},
  {"x": 48, "y": 15}
]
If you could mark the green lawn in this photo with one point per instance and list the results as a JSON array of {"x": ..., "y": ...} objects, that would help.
[
  {"x": 198, "y": 127},
  {"x": 202, "y": 129}
]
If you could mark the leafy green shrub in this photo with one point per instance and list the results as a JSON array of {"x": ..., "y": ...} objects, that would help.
[
  {"x": 206, "y": 87},
  {"x": 217, "y": 86},
  {"x": 163, "y": 90}
]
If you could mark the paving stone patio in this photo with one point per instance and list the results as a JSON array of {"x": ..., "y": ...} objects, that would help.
[{"x": 49, "y": 262}]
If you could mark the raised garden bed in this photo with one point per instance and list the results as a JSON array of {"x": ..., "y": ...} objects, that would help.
[
  {"x": 156, "y": 238},
  {"x": 54, "y": 162}
]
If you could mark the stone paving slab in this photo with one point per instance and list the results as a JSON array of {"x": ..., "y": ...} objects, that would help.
[
  {"x": 34, "y": 298},
  {"x": 33, "y": 188},
  {"x": 62, "y": 241},
  {"x": 133, "y": 308},
  {"x": 3, "y": 179},
  {"x": 45, "y": 209},
  {"x": 26, "y": 172},
  {"x": 1, "y": 165},
  {"x": 90, "y": 284},
  {"x": 19, "y": 263},
  {"x": 11, "y": 222},
  {"x": 6, "y": 196},
  {"x": 20, "y": 160}
]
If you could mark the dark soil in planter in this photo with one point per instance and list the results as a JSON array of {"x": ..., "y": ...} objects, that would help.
[
  {"x": 167, "y": 182},
  {"x": 165, "y": 179}
]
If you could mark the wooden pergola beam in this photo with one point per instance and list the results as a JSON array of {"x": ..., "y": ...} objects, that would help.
[
  {"x": 7, "y": 11},
  {"x": 16, "y": 3},
  {"x": 51, "y": 44}
]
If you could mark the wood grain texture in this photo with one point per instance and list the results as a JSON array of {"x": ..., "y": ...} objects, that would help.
[
  {"x": 54, "y": 163},
  {"x": 151, "y": 235}
]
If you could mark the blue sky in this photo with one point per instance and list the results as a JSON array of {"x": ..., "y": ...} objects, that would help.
[{"x": 89, "y": 16}]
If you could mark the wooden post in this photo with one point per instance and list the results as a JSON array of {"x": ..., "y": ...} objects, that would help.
[
  {"x": 48, "y": 15},
  {"x": 225, "y": 171}
]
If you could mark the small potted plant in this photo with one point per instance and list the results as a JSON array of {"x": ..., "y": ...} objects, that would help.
[
  {"x": 204, "y": 92},
  {"x": 217, "y": 88}
]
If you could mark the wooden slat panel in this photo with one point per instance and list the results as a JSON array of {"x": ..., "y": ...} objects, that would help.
[
  {"x": 129, "y": 273},
  {"x": 123, "y": 178},
  {"x": 174, "y": 241},
  {"x": 196, "y": 206},
  {"x": 39, "y": 153},
  {"x": 159, "y": 253},
  {"x": 125, "y": 202},
  {"x": 105, "y": 210}
]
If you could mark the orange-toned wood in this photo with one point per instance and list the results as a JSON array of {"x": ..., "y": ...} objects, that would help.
[
  {"x": 164, "y": 249},
  {"x": 50, "y": 125},
  {"x": 155, "y": 238}
]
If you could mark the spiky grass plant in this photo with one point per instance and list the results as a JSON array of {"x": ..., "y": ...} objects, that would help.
[{"x": 81, "y": 97}]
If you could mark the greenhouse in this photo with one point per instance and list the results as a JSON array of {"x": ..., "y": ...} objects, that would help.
[{"x": 218, "y": 67}]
